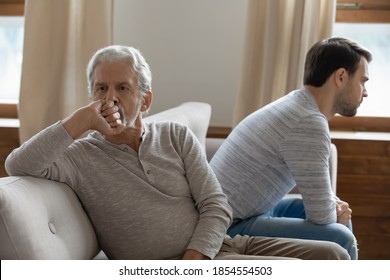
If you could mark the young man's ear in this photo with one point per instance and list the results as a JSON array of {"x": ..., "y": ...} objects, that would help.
[{"x": 341, "y": 76}]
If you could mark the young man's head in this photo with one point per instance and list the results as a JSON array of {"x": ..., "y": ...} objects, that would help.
[
  {"x": 343, "y": 65},
  {"x": 328, "y": 55}
]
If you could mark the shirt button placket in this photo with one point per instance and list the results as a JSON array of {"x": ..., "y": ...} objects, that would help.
[{"x": 147, "y": 169}]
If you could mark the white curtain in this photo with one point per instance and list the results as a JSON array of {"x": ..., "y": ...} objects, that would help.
[
  {"x": 279, "y": 34},
  {"x": 60, "y": 37}
]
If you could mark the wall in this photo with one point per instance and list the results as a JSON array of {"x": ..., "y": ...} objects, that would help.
[{"x": 194, "y": 49}]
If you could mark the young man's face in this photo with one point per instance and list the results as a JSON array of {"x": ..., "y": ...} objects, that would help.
[
  {"x": 118, "y": 82},
  {"x": 354, "y": 91}
]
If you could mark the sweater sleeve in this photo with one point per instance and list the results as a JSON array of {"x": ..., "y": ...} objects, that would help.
[
  {"x": 306, "y": 151},
  {"x": 43, "y": 155},
  {"x": 215, "y": 214}
]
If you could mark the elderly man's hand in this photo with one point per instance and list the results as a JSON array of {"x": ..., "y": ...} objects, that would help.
[
  {"x": 194, "y": 255},
  {"x": 106, "y": 117}
]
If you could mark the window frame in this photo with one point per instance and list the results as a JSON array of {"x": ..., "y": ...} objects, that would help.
[
  {"x": 9, "y": 110},
  {"x": 11, "y": 7},
  {"x": 375, "y": 11},
  {"x": 363, "y": 11}
]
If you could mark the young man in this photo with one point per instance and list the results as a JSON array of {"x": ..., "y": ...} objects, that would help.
[
  {"x": 146, "y": 187},
  {"x": 287, "y": 144}
]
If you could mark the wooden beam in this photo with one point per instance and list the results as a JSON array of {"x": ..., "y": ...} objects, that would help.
[
  {"x": 8, "y": 110},
  {"x": 11, "y": 9},
  {"x": 218, "y": 132},
  {"x": 363, "y": 16},
  {"x": 369, "y": 124}
]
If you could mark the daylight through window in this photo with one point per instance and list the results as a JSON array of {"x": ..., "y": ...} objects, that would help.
[{"x": 11, "y": 52}]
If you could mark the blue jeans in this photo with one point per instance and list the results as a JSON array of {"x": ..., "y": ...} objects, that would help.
[{"x": 288, "y": 219}]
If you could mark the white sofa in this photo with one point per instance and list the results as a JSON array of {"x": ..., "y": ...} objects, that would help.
[{"x": 42, "y": 219}]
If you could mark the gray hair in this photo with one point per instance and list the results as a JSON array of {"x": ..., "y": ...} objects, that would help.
[{"x": 124, "y": 54}]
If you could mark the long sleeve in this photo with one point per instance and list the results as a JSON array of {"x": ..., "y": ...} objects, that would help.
[
  {"x": 215, "y": 214},
  {"x": 306, "y": 150},
  {"x": 42, "y": 155}
]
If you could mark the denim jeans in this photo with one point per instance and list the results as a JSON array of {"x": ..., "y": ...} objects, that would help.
[{"x": 288, "y": 219}]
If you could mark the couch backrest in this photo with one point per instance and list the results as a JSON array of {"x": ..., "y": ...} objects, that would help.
[{"x": 196, "y": 115}]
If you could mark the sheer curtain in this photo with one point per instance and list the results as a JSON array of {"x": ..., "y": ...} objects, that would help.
[
  {"x": 279, "y": 34},
  {"x": 60, "y": 37}
]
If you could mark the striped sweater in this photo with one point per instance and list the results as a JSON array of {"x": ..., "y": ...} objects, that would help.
[{"x": 280, "y": 146}]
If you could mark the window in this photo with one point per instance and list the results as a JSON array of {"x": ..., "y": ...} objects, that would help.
[
  {"x": 11, "y": 52},
  {"x": 368, "y": 22},
  {"x": 11, "y": 35}
]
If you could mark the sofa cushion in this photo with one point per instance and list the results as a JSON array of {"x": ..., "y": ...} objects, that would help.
[{"x": 42, "y": 219}]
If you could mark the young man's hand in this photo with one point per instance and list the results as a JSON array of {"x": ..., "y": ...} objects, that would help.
[{"x": 344, "y": 213}]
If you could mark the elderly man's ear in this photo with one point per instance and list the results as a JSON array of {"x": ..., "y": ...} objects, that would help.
[{"x": 148, "y": 98}]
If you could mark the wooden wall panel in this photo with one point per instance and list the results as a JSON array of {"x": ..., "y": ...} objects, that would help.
[
  {"x": 379, "y": 224},
  {"x": 363, "y": 180},
  {"x": 373, "y": 185},
  {"x": 371, "y": 206},
  {"x": 9, "y": 140},
  {"x": 365, "y": 165},
  {"x": 373, "y": 247}
]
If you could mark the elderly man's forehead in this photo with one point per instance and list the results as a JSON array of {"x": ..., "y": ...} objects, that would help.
[
  {"x": 115, "y": 66},
  {"x": 118, "y": 71}
]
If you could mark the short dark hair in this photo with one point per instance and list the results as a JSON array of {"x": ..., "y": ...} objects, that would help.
[{"x": 328, "y": 55}]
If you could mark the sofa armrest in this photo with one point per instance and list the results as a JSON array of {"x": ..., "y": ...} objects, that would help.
[{"x": 42, "y": 219}]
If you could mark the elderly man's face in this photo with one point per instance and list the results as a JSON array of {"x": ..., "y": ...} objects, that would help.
[{"x": 117, "y": 83}]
